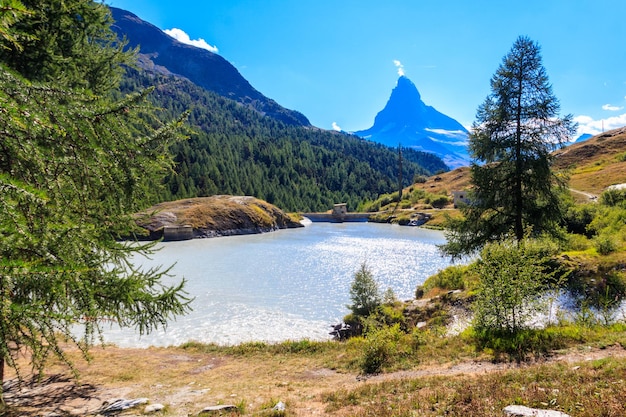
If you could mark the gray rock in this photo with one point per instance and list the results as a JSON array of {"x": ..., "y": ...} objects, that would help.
[
  {"x": 218, "y": 409},
  {"x": 153, "y": 408},
  {"x": 521, "y": 411},
  {"x": 280, "y": 406},
  {"x": 123, "y": 404}
]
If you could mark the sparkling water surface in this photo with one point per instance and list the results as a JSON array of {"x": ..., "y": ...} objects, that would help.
[{"x": 285, "y": 285}]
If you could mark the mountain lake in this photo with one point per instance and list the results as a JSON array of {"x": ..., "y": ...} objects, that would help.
[{"x": 286, "y": 285}]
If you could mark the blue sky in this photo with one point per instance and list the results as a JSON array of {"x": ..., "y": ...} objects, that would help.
[{"x": 337, "y": 61}]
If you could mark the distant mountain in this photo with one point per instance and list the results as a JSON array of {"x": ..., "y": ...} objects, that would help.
[
  {"x": 161, "y": 53},
  {"x": 583, "y": 137},
  {"x": 408, "y": 121}
]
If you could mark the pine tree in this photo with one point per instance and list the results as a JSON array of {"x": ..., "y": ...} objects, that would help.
[
  {"x": 74, "y": 166},
  {"x": 516, "y": 128},
  {"x": 67, "y": 43}
]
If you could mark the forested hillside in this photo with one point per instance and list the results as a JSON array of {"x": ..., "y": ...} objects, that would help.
[{"x": 235, "y": 150}]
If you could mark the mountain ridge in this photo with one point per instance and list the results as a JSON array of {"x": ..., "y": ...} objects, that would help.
[{"x": 159, "y": 51}]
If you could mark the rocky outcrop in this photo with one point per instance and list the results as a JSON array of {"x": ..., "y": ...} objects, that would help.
[{"x": 212, "y": 217}]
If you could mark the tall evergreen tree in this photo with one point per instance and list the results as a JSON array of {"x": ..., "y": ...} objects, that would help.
[
  {"x": 67, "y": 43},
  {"x": 516, "y": 129},
  {"x": 74, "y": 166}
]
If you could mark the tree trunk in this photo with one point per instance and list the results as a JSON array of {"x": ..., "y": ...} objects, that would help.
[
  {"x": 519, "y": 226},
  {"x": 1, "y": 381}
]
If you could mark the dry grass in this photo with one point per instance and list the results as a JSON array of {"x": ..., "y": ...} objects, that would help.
[
  {"x": 591, "y": 388},
  {"x": 595, "y": 163},
  {"x": 312, "y": 379},
  {"x": 458, "y": 179}
]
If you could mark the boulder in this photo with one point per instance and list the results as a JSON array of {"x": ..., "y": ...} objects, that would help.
[
  {"x": 522, "y": 411},
  {"x": 122, "y": 404},
  {"x": 219, "y": 409},
  {"x": 153, "y": 408}
]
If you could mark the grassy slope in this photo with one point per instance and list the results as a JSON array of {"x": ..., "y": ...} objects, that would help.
[
  {"x": 591, "y": 166},
  {"x": 596, "y": 163}
]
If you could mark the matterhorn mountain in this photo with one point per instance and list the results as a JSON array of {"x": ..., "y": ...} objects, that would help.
[{"x": 407, "y": 121}]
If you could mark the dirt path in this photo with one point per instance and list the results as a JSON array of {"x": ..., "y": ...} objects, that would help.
[{"x": 188, "y": 382}]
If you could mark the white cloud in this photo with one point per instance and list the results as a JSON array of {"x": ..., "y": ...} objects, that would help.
[
  {"x": 182, "y": 37},
  {"x": 400, "y": 67},
  {"x": 336, "y": 127},
  {"x": 587, "y": 124},
  {"x": 610, "y": 107}
]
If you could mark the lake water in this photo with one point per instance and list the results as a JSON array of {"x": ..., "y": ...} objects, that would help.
[{"x": 285, "y": 285}]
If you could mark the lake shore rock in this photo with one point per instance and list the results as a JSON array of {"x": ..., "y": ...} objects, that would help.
[{"x": 214, "y": 216}]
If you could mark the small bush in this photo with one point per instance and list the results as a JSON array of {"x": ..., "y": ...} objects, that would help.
[
  {"x": 436, "y": 200},
  {"x": 380, "y": 345},
  {"x": 450, "y": 278},
  {"x": 579, "y": 217},
  {"x": 386, "y": 200},
  {"x": 372, "y": 207},
  {"x": 604, "y": 244},
  {"x": 577, "y": 242},
  {"x": 417, "y": 195},
  {"x": 387, "y": 315},
  {"x": 511, "y": 278},
  {"x": 613, "y": 197}
]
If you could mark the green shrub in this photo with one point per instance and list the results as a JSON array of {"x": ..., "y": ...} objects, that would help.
[
  {"x": 577, "y": 242},
  {"x": 608, "y": 220},
  {"x": 450, "y": 278},
  {"x": 613, "y": 197},
  {"x": 436, "y": 200},
  {"x": 417, "y": 195},
  {"x": 518, "y": 345},
  {"x": 510, "y": 282},
  {"x": 604, "y": 244},
  {"x": 379, "y": 348},
  {"x": 387, "y": 315},
  {"x": 419, "y": 179},
  {"x": 385, "y": 200},
  {"x": 578, "y": 217}
]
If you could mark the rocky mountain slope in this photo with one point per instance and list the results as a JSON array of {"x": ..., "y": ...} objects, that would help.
[{"x": 160, "y": 52}]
